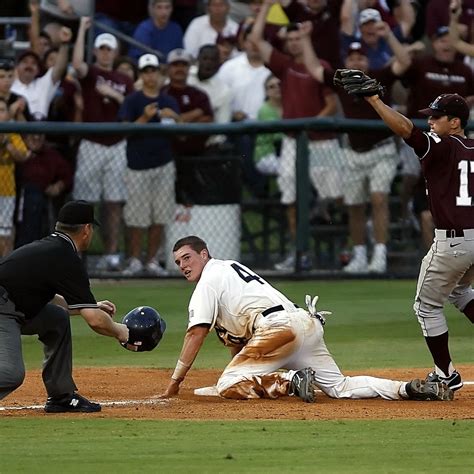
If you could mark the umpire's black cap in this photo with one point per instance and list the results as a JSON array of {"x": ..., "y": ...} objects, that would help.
[{"x": 77, "y": 213}]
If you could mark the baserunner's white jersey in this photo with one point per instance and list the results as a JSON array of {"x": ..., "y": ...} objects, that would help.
[{"x": 229, "y": 297}]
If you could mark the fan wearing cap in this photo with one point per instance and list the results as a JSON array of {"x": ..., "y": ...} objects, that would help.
[
  {"x": 40, "y": 91},
  {"x": 150, "y": 173},
  {"x": 159, "y": 31},
  {"x": 194, "y": 104},
  {"x": 376, "y": 35},
  {"x": 370, "y": 160},
  {"x": 101, "y": 159},
  {"x": 447, "y": 270},
  {"x": 41, "y": 285}
]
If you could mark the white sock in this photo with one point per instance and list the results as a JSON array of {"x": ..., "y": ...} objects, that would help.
[
  {"x": 380, "y": 250},
  {"x": 360, "y": 252}
]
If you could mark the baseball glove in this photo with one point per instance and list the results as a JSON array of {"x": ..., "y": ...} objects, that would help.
[{"x": 357, "y": 83}]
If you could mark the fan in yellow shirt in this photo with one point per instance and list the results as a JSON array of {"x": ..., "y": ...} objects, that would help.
[{"x": 12, "y": 149}]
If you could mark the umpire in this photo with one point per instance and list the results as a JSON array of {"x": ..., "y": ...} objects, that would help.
[{"x": 41, "y": 284}]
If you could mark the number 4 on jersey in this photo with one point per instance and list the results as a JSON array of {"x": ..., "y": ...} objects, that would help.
[{"x": 246, "y": 275}]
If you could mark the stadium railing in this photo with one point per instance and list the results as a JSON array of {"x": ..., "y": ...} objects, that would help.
[{"x": 217, "y": 197}]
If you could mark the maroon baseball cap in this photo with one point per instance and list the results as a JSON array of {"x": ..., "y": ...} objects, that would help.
[
  {"x": 356, "y": 47},
  {"x": 448, "y": 104}
]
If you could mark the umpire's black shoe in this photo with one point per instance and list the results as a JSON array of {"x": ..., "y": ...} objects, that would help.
[
  {"x": 454, "y": 381},
  {"x": 74, "y": 403},
  {"x": 303, "y": 385}
]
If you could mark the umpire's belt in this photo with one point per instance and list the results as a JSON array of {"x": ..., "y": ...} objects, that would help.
[
  {"x": 443, "y": 234},
  {"x": 274, "y": 309}
]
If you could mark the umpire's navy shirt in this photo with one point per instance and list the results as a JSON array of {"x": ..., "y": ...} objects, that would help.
[{"x": 35, "y": 273}]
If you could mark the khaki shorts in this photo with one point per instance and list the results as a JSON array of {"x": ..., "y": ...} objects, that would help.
[
  {"x": 325, "y": 169},
  {"x": 151, "y": 196},
  {"x": 368, "y": 173},
  {"x": 7, "y": 209},
  {"x": 100, "y": 172}
]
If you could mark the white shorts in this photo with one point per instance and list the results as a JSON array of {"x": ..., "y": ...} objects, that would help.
[
  {"x": 410, "y": 162},
  {"x": 325, "y": 160},
  {"x": 7, "y": 209},
  {"x": 100, "y": 172},
  {"x": 151, "y": 196},
  {"x": 368, "y": 173}
]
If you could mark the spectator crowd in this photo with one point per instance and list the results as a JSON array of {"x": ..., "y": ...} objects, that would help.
[{"x": 219, "y": 61}]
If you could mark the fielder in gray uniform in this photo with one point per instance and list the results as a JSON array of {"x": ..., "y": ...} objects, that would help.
[
  {"x": 266, "y": 332},
  {"x": 447, "y": 271}
]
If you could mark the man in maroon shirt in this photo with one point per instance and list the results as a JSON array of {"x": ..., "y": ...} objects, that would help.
[
  {"x": 446, "y": 273},
  {"x": 101, "y": 159},
  {"x": 44, "y": 177},
  {"x": 302, "y": 96},
  {"x": 437, "y": 14},
  {"x": 194, "y": 103},
  {"x": 325, "y": 17},
  {"x": 370, "y": 160}
]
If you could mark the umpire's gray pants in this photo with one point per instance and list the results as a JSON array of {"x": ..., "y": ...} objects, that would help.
[{"x": 52, "y": 325}]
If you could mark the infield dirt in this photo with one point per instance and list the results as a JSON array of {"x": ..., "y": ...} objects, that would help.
[{"x": 140, "y": 385}]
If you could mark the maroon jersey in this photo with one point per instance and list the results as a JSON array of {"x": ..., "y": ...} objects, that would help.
[
  {"x": 98, "y": 108},
  {"x": 326, "y": 25},
  {"x": 437, "y": 14},
  {"x": 46, "y": 167},
  {"x": 428, "y": 78},
  {"x": 357, "y": 108},
  {"x": 190, "y": 98},
  {"x": 448, "y": 167},
  {"x": 302, "y": 95}
]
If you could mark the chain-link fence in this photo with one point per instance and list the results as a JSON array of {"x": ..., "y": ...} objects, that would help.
[{"x": 299, "y": 208}]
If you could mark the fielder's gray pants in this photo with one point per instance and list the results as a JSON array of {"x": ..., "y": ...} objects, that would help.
[{"x": 53, "y": 328}]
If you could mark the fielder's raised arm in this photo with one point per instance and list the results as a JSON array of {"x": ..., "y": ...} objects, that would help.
[{"x": 358, "y": 83}]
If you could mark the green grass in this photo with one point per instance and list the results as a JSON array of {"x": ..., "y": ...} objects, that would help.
[
  {"x": 109, "y": 446},
  {"x": 373, "y": 326}
]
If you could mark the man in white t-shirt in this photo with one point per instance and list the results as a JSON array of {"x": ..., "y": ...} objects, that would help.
[
  {"x": 205, "y": 28},
  {"x": 245, "y": 75},
  {"x": 40, "y": 91},
  {"x": 204, "y": 77},
  {"x": 266, "y": 332}
]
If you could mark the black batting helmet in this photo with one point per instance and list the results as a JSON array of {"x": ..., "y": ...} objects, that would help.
[{"x": 146, "y": 328}]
